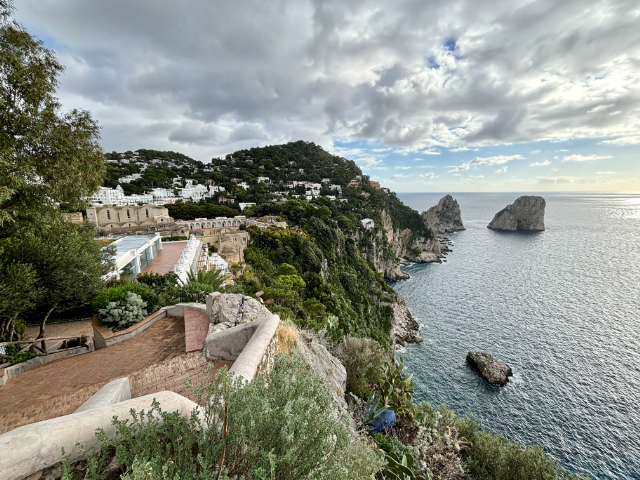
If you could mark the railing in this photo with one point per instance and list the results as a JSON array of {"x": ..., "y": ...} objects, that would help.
[{"x": 33, "y": 344}]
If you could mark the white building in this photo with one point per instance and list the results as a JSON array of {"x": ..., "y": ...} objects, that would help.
[
  {"x": 244, "y": 185},
  {"x": 194, "y": 192},
  {"x": 218, "y": 263},
  {"x": 325, "y": 180},
  {"x": 216, "y": 188},
  {"x": 108, "y": 196},
  {"x": 137, "y": 199},
  {"x": 264, "y": 179},
  {"x": 162, "y": 192},
  {"x": 133, "y": 253},
  {"x": 338, "y": 188},
  {"x": 245, "y": 205},
  {"x": 368, "y": 223},
  {"x": 130, "y": 178}
]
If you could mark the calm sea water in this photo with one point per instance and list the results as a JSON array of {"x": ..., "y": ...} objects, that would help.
[{"x": 561, "y": 307}]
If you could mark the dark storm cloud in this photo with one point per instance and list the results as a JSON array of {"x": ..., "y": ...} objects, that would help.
[{"x": 407, "y": 73}]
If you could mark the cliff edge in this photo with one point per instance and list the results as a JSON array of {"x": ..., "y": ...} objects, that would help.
[
  {"x": 444, "y": 217},
  {"x": 526, "y": 213}
]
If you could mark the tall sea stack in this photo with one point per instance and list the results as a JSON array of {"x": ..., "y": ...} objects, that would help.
[
  {"x": 526, "y": 213},
  {"x": 444, "y": 217}
]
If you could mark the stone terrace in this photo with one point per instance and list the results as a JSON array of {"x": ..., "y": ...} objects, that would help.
[
  {"x": 166, "y": 258},
  {"x": 154, "y": 360}
]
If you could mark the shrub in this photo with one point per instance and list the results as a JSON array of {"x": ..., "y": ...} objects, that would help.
[
  {"x": 118, "y": 294},
  {"x": 363, "y": 358},
  {"x": 282, "y": 425},
  {"x": 120, "y": 315},
  {"x": 158, "y": 283}
]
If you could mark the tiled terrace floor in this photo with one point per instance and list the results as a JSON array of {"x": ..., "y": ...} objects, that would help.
[
  {"x": 60, "y": 387},
  {"x": 166, "y": 258}
]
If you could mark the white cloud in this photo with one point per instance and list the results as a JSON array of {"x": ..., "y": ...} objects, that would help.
[
  {"x": 540, "y": 164},
  {"x": 628, "y": 140},
  {"x": 430, "y": 152},
  {"x": 402, "y": 168},
  {"x": 562, "y": 150},
  {"x": 497, "y": 160},
  {"x": 583, "y": 158},
  {"x": 606, "y": 173},
  {"x": 533, "y": 152},
  {"x": 426, "y": 166},
  {"x": 345, "y": 72},
  {"x": 600, "y": 108},
  {"x": 399, "y": 175},
  {"x": 429, "y": 175},
  {"x": 502, "y": 170},
  {"x": 476, "y": 176}
]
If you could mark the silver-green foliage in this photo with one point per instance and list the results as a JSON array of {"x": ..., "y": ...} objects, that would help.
[
  {"x": 282, "y": 425},
  {"x": 125, "y": 313}
]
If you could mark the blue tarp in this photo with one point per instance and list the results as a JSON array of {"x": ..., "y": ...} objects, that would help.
[{"x": 385, "y": 422}]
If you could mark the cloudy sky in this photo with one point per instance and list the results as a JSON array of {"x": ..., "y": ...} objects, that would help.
[{"x": 425, "y": 95}]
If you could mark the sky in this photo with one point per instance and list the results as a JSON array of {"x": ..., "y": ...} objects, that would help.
[{"x": 425, "y": 95}]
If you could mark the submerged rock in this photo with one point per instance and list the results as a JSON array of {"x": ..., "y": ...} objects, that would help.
[
  {"x": 445, "y": 217},
  {"x": 526, "y": 213},
  {"x": 493, "y": 371}
]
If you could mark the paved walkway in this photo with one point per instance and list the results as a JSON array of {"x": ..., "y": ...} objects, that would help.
[
  {"x": 60, "y": 387},
  {"x": 166, "y": 258}
]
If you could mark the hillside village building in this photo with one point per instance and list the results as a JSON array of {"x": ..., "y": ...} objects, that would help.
[{"x": 131, "y": 220}]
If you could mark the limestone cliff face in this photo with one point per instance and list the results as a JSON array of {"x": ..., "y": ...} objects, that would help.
[
  {"x": 526, "y": 213},
  {"x": 404, "y": 328},
  {"x": 394, "y": 243},
  {"x": 444, "y": 217}
]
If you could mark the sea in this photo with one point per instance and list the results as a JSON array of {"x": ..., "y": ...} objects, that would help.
[{"x": 561, "y": 307}]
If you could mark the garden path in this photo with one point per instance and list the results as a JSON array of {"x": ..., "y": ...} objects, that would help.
[{"x": 60, "y": 387}]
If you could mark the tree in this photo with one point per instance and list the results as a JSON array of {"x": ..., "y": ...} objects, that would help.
[
  {"x": 46, "y": 156},
  {"x": 68, "y": 264},
  {"x": 18, "y": 293}
]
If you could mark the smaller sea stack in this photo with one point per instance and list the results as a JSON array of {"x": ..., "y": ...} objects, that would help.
[
  {"x": 493, "y": 371},
  {"x": 526, "y": 213}
]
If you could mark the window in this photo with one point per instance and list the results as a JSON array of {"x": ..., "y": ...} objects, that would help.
[
  {"x": 147, "y": 212},
  {"x": 108, "y": 215},
  {"x": 128, "y": 213}
]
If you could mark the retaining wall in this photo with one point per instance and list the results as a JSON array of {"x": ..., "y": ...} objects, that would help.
[{"x": 103, "y": 337}]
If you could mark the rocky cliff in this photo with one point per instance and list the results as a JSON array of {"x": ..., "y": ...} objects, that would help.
[
  {"x": 444, "y": 217},
  {"x": 404, "y": 328},
  {"x": 526, "y": 213}
]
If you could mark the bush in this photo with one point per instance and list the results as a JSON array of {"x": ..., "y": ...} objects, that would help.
[
  {"x": 363, "y": 358},
  {"x": 120, "y": 315},
  {"x": 158, "y": 283},
  {"x": 118, "y": 293},
  {"x": 493, "y": 456},
  {"x": 282, "y": 425}
]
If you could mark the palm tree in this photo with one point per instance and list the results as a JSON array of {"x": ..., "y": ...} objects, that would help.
[{"x": 213, "y": 279}]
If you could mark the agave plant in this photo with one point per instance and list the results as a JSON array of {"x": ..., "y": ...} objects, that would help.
[
  {"x": 371, "y": 410},
  {"x": 400, "y": 468}
]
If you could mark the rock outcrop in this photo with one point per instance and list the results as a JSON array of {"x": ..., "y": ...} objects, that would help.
[
  {"x": 324, "y": 365},
  {"x": 493, "y": 371},
  {"x": 445, "y": 217},
  {"x": 526, "y": 213},
  {"x": 225, "y": 309},
  {"x": 404, "y": 328}
]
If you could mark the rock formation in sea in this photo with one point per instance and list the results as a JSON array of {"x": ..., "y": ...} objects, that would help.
[
  {"x": 444, "y": 217},
  {"x": 493, "y": 371},
  {"x": 526, "y": 213}
]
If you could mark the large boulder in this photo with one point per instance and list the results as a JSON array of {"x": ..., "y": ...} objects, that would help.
[
  {"x": 526, "y": 213},
  {"x": 445, "y": 217},
  {"x": 324, "y": 365},
  {"x": 225, "y": 309},
  {"x": 493, "y": 371}
]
